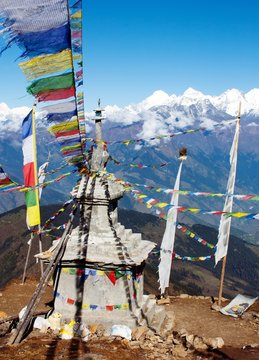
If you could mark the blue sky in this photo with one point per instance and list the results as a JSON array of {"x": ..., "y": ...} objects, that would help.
[{"x": 134, "y": 47}]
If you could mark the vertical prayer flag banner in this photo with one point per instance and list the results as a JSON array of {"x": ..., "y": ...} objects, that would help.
[
  {"x": 50, "y": 34},
  {"x": 167, "y": 244},
  {"x": 225, "y": 222},
  {"x": 41, "y": 176},
  {"x": 30, "y": 170}
]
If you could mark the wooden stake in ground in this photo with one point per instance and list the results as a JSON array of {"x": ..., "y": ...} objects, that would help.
[{"x": 231, "y": 183}]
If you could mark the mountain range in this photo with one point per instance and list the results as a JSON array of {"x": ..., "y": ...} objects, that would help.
[{"x": 206, "y": 167}]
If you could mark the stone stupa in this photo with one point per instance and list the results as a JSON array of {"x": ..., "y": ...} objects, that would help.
[{"x": 100, "y": 277}]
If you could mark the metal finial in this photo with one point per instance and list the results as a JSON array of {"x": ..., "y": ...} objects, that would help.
[
  {"x": 99, "y": 103},
  {"x": 183, "y": 153}
]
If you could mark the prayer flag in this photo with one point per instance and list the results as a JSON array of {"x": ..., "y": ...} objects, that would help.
[
  {"x": 167, "y": 245},
  {"x": 5, "y": 181},
  {"x": 42, "y": 175},
  {"x": 30, "y": 169},
  {"x": 57, "y": 82},
  {"x": 225, "y": 222}
]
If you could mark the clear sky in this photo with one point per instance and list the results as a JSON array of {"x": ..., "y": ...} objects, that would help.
[{"x": 134, "y": 47}]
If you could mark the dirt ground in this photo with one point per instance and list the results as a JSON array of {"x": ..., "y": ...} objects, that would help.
[
  {"x": 192, "y": 314},
  {"x": 195, "y": 315}
]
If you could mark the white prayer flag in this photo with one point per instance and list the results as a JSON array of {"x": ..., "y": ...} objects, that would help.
[
  {"x": 238, "y": 305},
  {"x": 42, "y": 175},
  {"x": 225, "y": 222},
  {"x": 167, "y": 245}
]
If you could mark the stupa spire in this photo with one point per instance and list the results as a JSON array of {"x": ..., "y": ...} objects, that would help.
[{"x": 100, "y": 155}]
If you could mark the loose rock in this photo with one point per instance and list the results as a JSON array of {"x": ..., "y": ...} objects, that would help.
[
  {"x": 93, "y": 328},
  {"x": 184, "y": 296},
  {"x": 199, "y": 344},
  {"x": 214, "y": 343},
  {"x": 215, "y": 307},
  {"x": 179, "y": 351},
  {"x": 163, "y": 301},
  {"x": 139, "y": 332}
]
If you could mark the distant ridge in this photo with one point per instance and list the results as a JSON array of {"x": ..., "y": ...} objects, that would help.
[
  {"x": 227, "y": 102},
  {"x": 193, "y": 278}
]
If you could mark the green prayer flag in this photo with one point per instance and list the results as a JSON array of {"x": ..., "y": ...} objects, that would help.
[{"x": 57, "y": 82}]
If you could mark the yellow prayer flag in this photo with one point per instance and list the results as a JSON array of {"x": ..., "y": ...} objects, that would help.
[{"x": 46, "y": 64}]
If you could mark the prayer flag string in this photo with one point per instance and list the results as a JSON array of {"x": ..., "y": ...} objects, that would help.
[
  {"x": 157, "y": 252},
  {"x": 5, "y": 182},
  {"x": 142, "y": 141},
  {"x": 56, "y": 214},
  {"x": 128, "y": 186},
  {"x": 150, "y": 202}
]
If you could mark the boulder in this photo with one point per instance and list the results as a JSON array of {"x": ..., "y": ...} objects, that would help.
[
  {"x": 214, "y": 343},
  {"x": 183, "y": 333},
  {"x": 199, "y": 344},
  {"x": 189, "y": 340}
]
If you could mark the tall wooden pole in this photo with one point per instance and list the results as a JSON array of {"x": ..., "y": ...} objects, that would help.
[
  {"x": 27, "y": 259},
  {"x": 40, "y": 249},
  {"x": 224, "y": 261},
  {"x": 36, "y": 178}
]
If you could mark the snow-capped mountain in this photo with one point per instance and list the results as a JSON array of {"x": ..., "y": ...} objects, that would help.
[
  {"x": 192, "y": 102},
  {"x": 162, "y": 113},
  {"x": 207, "y": 165}
]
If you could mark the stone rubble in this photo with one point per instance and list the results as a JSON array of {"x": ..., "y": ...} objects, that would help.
[{"x": 162, "y": 346}]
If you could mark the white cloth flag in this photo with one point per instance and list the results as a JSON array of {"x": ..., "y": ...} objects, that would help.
[
  {"x": 225, "y": 222},
  {"x": 41, "y": 176},
  {"x": 238, "y": 305},
  {"x": 167, "y": 245},
  {"x": 60, "y": 107}
]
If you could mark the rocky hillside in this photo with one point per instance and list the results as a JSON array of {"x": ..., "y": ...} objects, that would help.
[{"x": 189, "y": 277}]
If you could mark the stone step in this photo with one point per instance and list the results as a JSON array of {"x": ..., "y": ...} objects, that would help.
[
  {"x": 119, "y": 230},
  {"x": 155, "y": 315},
  {"x": 128, "y": 233},
  {"x": 133, "y": 239}
]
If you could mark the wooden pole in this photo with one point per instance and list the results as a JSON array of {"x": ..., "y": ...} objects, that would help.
[
  {"x": 25, "y": 320},
  {"x": 27, "y": 259},
  {"x": 222, "y": 279},
  {"x": 224, "y": 261},
  {"x": 40, "y": 248},
  {"x": 36, "y": 178}
]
